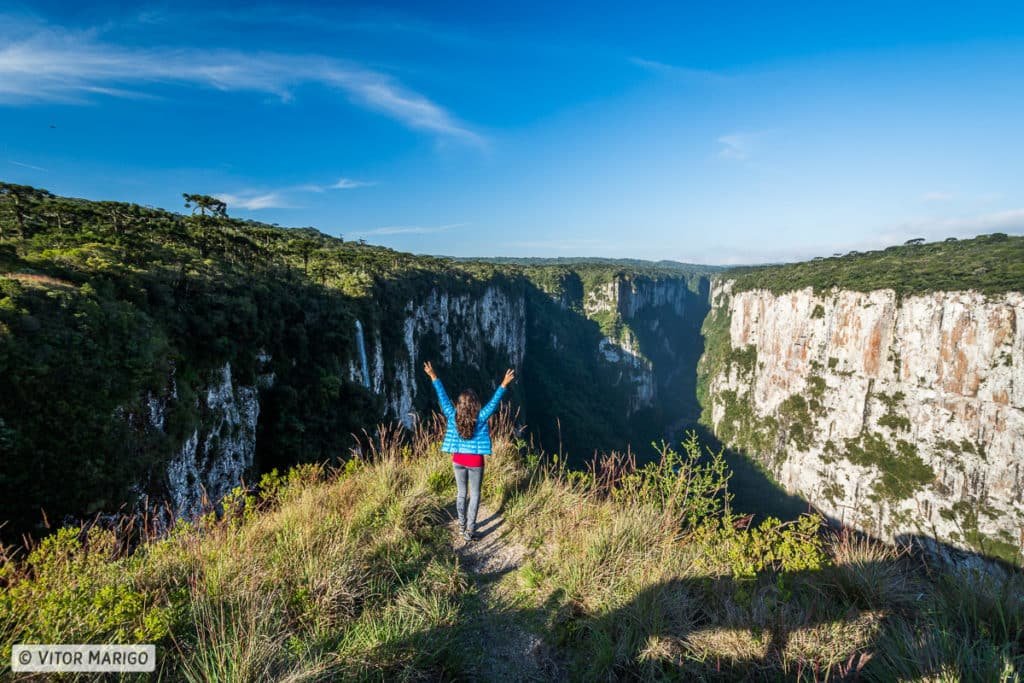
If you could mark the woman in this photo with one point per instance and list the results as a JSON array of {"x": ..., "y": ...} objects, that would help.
[{"x": 468, "y": 439}]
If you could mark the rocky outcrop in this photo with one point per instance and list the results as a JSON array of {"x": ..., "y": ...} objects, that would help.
[
  {"x": 213, "y": 460},
  {"x": 651, "y": 324},
  {"x": 635, "y": 369},
  {"x": 898, "y": 416},
  {"x": 630, "y": 295},
  {"x": 466, "y": 328},
  {"x": 219, "y": 451}
]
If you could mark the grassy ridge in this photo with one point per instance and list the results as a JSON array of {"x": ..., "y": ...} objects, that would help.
[
  {"x": 627, "y": 573},
  {"x": 991, "y": 264}
]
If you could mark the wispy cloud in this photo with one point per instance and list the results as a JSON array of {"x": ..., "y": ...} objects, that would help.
[
  {"x": 680, "y": 72},
  {"x": 411, "y": 229},
  {"x": 735, "y": 146},
  {"x": 937, "y": 196},
  {"x": 47, "y": 64},
  {"x": 349, "y": 184},
  {"x": 284, "y": 197},
  {"x": 30, "y": 166},
  {"x": 340, "y": 184},
  {"x": 255, "y": 201}
]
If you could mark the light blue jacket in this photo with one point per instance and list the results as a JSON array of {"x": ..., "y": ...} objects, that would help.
[{"x": 480, "y": 443}]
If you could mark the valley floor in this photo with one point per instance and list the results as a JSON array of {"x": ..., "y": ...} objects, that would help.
[{"x": 358, "y": 574}]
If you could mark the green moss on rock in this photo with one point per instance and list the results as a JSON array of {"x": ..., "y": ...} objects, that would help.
[{"x": 902, "y": 472}]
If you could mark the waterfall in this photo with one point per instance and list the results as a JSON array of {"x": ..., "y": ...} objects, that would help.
[{"x": 362, "y": 354}]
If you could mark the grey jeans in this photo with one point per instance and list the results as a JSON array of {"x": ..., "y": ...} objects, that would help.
[{"x": 467, "y": 477}]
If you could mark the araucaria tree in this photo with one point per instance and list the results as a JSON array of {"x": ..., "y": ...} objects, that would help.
[
  {"x": 18, "y": 199},
  {"x": 204, "y": 203}
]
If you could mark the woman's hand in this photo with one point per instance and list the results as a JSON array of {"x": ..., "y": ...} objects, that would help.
[
  {"x": 429, "y": 369},
  {"x": 510, "y": 375}
]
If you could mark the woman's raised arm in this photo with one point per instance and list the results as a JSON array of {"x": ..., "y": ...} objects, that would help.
[
  {"x": 492, "y": 405},
  {"x": 446, "y": 405}
]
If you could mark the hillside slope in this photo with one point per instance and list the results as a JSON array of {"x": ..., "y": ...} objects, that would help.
[{"x": 357, "y": 574}]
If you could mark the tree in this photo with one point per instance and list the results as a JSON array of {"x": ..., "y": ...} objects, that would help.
[
  {"x": 321, "y": 265},
  {"x": 916, "y": 240},
  {"x": 20, "y": 198},
  {"x": 204, "y": 203},
  {"x": 306, "y": 247},
  {"x": 120, "y": 214}
]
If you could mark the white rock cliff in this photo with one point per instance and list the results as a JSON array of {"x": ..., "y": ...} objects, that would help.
[{"x": 915, "y": 407}]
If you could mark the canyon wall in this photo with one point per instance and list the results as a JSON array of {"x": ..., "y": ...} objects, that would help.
[
  {"x": 483, "y": 331},
  {"x": 651, "y": 326},
  {"x": 901, "y": 417},
  {"x": 471, "y": 335}
]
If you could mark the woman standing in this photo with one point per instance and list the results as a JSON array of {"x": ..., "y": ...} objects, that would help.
[{"x": 468, "y": 439}]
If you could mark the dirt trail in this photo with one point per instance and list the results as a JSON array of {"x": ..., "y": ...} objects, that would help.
[{"x": 504, "y": 649}]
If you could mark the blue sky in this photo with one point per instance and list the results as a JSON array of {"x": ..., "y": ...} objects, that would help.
[{"x": 736, "y": 133}]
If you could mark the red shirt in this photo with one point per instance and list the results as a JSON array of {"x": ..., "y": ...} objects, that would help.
[{"x": 468, "y": 459}]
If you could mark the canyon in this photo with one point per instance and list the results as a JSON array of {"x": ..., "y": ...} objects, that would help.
[
  {"x": 638, "y": 360},
  {"x": 182, "y": 357}
]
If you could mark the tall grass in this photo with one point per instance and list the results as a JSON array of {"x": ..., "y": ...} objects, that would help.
[{"x": 629, "y": 573}]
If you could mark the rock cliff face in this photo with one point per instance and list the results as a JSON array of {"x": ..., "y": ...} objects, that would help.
[
  {"x": 217, "y": 454},
  {"x": 651, "y": 326},
  {"x": 478, "y": 331},
  {"x": 900, "y": 417}
]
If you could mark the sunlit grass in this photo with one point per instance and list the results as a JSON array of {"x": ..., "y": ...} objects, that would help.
[{"x": 352, "y": 574}]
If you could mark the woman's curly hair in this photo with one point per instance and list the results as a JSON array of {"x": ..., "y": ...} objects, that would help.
[{"x": 466, "y": 412}]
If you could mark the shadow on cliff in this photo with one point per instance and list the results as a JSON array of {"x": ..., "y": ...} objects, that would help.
[
  {"x": 896, "y": 619},
  {"x": 576, "y": 403},
  {"x": 675, "y": 344}
]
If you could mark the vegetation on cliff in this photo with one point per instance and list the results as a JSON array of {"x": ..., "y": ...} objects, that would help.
[
  {"x": 108, "y": 308},
  {"x": 614, "y": 573},
  {"x": 103, "y": 304},
  {"x": 899, "y": 460},
  {"x": 990, "y": 264}
]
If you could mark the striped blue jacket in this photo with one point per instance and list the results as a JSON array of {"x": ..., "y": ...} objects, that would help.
[{"x": 480, "y": 443}]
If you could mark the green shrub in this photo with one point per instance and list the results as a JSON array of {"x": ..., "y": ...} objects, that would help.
[
  {"x": 685, "y": 482},
  {"x": 71, "y": 591},
  {"x": 771, "y": 545}
]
